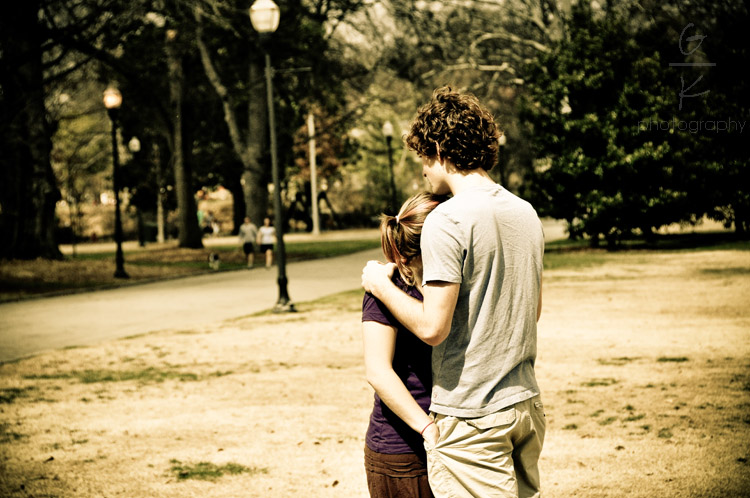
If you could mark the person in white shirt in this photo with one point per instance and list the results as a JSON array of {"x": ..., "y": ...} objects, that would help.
[{"x": 266, "y": 239}]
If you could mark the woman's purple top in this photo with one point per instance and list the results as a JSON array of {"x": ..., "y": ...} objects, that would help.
[{"x": 387, "y": 433}]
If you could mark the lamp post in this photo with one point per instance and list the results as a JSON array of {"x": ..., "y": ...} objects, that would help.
[
  {"x": 264, "y": 16},
  {"x": 113, "y": 101},
  {"x": 134, "y": 146},
  {"x": 313, "y": 174},
  {"x": 501, "y": 141},
  {"x": 388, "y": 134}
]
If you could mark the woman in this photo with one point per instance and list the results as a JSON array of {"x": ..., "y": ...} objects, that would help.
[
  {"x": 398, "y": 367},
  {"x": 266, "y": 238}
]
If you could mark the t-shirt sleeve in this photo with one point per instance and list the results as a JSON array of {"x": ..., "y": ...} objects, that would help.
[
  {"x": 373, "y": 310},
  {"x": 442, "y": 250}
]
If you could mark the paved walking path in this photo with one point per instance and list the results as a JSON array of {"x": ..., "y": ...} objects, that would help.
[
  {"x": 37, "y": 325},
  {"x": 33, "y": 326}
]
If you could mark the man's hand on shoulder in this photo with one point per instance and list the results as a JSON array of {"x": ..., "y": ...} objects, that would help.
[{"x": 377, "y": 275}]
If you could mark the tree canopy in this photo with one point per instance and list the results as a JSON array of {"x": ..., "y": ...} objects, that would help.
[
  {"x": 620, "y": 117},
  {"x": 617, "y": 151}
]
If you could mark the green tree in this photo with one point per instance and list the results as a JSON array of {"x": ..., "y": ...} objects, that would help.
[
  {"x": 599, "y": 108},
  {"x": 724, "y": 24}
]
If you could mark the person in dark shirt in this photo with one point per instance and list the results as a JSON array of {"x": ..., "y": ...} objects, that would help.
[{"x": 398, "y": 366}]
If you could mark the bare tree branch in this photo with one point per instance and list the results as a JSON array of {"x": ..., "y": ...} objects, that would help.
[
  {"x": 226, "y": 99},
  {"x": 512, "y": 38}
]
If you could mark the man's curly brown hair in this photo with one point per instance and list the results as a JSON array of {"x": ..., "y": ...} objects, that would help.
[{"x": 456, "y": 127}]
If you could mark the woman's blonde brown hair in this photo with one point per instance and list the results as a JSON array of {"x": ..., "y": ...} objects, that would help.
[{"x": 400, "y": 234}]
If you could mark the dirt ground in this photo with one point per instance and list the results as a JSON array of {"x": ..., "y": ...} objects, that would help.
[{"x": 643, "y": 362}]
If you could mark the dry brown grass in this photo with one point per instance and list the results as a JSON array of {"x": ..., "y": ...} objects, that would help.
[
  {"x": 20, "y": 279},
  {"x": 643, "y": 362}
]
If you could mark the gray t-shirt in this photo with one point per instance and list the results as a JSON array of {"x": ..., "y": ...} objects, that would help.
[
  {"x": 491, "y": 242},
  {"x": 248, "y": 233}
]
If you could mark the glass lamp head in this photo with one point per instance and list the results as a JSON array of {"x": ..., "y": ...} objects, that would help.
[
  {"x": 388, "y": 129},
  {"x": 264, "y": 15},
  {"x": 112, "y": 98}
]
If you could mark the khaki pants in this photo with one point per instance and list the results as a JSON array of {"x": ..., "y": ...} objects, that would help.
[{"x": 492, "y": 456}]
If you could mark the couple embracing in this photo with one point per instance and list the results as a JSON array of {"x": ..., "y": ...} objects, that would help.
[{"x": 449, "y": 324}]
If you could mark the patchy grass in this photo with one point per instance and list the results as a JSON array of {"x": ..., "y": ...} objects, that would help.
[
  {"x": 607, "y": 420},
  {"x": 608, "y": 381},
  {"x": 144, "y": 376},
  {"x": 624, "y": 360},
  {"x": 672, "y": 359},
  {"x": 9, "y": 436},
  {"x": 634, "y": 418},
  {"x": 207, "y": 471},
  {"x": 10, "y": 394},
  {"x": 665, "y": 433},
  {"x": 576, "y": 259}
]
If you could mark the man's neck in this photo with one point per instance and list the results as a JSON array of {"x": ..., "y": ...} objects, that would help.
[{"x": 458, "y": 180}]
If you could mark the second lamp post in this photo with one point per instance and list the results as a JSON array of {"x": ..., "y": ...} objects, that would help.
[
  {"x": 113, "y": 101},
  {"x": 264, "y": 15}
]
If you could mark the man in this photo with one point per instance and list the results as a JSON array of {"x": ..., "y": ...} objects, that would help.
[
  {"x": 482, "y": 256},
  {"x": 248, "y": 233}
]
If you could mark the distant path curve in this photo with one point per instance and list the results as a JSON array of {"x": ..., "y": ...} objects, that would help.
[{"x": 37, "y": 325}]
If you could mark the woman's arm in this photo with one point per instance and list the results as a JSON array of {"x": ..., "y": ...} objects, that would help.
[{"x": 380, "y": 345}]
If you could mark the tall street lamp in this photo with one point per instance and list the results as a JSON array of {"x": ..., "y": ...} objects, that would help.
[
  {"x": 113, "y": 101},
  {"x": 264, "y": 15},
  {"x": 388, "y": 134}
]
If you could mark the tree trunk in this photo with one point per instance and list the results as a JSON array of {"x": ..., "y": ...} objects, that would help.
[
  {"x": 161, "y": 215},
  {"x": 187, "y": 221},
  {"x": 28, "y": 190},
  {"x": 249, "y": 150},
  {"x": 255, "y": 177},
  {"x": 255, "y": 191},
  {"x": 238, "y": 203}
]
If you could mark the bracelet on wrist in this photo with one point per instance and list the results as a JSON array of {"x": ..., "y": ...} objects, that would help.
[{"x": 425, "y": 427}]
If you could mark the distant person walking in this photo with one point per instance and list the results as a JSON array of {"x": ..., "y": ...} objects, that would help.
[
  {"x": 248, "y": 236},
  {"x": 209, "y": 221},
  {"x": 266, "y": 239}
]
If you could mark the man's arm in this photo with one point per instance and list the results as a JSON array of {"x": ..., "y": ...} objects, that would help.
[{"x": 430, "y": 320}]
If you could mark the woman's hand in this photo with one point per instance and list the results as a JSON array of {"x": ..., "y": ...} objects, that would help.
[{"x": 431, "y": 435}]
